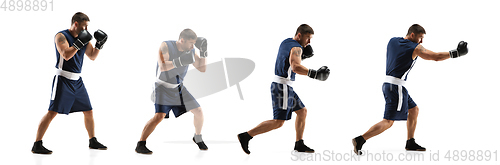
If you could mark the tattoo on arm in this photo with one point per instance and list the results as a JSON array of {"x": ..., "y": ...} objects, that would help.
[
  {"x": 164, "y": 51},
  {"x": 422, "y": 49},
  {"x": 61, "y": 39},
  {"x": 164, "y": 48},
  {"x": 297, "y": 51}
]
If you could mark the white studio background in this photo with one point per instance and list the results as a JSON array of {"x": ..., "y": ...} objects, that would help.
[{"x": 457, "y": 97}]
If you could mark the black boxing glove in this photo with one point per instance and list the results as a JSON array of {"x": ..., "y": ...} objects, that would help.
[
  {"x": 460, "y": 51},
  {"x": 185, "y": 59},
  {"x": 307, "y": 52},
  {"x": 201, "y": 44},
  {"x": 101, "y": 38},
  {"x": 320, "y": 74},
  {"x": 83, "y": 39}
]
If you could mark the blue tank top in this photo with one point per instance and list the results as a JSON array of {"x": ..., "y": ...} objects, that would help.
[
  {"x": 282, "y": 67},
  {"x": 74, "y": 64},
  {"x": 399, "y": 57},
  {"x": 176, "y": 75}
]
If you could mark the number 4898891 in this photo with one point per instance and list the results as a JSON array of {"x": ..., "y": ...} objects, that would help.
[{"x": 27, "y": 5}]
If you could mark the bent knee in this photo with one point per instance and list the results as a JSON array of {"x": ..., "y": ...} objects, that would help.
[
  {"x": 414, "y": 110},
  {"x": 302, "y": 112},
  {"x": 159, "y": 116},
  {"x": 279, "y": 123},
  {"x": 196, "y": 110},
  {"x": 389, "y": 122}
]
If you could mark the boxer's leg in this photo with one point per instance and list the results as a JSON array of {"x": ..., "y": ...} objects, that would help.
[
  {"x": 198, "y": 124},
  {"x": 38, "y": 147},
  {"x": 373, "y": 131},
  {"x": 148, "y": 129},
  {"x": 411, "y": 124},
  {"x": 89, "y": 125},
  {"x": 300, "y": 123}
]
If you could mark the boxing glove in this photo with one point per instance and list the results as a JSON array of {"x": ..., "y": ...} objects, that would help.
[
  {"x": 83, "y": 38},
  {"x": 185, "y": 59},
  {"x": 460, "y": 51},
  {"x": 101, "y": 38},
  {"x": 201, "y": 44},
  {"x": 307, "y": 52},
  {"x": 320, "y": 74}
]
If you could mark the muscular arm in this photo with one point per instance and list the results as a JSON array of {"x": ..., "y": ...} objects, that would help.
[
  {"x": 200, "y": 63},
  {"x": 163, "y": 57},
  {"x": 429, "y": 55},
  {"x": 62, "y": 45},
  {"x": 295, "y": 59},
  {"x": 91, "y": 52}
]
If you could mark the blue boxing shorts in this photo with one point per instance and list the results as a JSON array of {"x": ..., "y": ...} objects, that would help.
[
  {"x": 397, "y": 102},
  {"x": 69, "y": 96},
  {"x": 178, "y": 100},
  {"x": 285, "y": 101}
]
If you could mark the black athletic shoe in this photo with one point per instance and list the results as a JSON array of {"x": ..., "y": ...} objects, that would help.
[
  {"x": 244, "y": 138},
  {"x": 38, "y": 148},
  {"x": 201, "y": 145},
  {"x": 94, "y": 144},
  {"x": 411, "y": 145},
  {"x": 142, "y": 149},
  {"x": 358, "y": 144},
  {"x": 301, "y": 147}
]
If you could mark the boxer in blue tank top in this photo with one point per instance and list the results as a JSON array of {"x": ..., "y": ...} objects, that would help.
[
  {"x": 402, "y": 54},
  {"x": 284, "y": 99},
  {"x": 174, "y": 58},
  {"x": 68, "y": 91}
]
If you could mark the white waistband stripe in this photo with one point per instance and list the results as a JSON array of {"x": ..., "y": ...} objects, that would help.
[
  {"x": 394, "y": 80},
  {"x": 282, "y": 80},
  {"x": 166, "y": 84},
  {"x": 68, "y": 75}
]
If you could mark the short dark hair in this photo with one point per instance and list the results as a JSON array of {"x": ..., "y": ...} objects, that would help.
[
  {"x": 416, "y": 28},
  {"x": 304, "y": 29},
  {"x": 79, "y": 17},
  {"x": 188, "y": 34}
]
